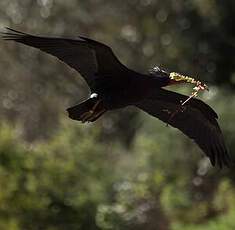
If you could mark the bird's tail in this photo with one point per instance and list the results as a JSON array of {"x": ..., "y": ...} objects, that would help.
[{"x": 87, "y": 111}]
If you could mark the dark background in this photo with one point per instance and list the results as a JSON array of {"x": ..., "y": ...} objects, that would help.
[{"x": 127, "y": 170}]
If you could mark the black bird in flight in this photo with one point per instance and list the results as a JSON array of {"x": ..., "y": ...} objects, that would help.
[{"x": 114, "y": 86}]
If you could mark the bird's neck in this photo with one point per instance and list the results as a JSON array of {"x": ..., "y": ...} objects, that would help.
[{"x": 161, "y": 81}]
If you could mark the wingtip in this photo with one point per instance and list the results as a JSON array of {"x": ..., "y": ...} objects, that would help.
[
  {"x": 11, "y": 34},
  {"x": 13, "y": 30},
  {"x": 223, "y": 161},
  {"x": 219, "y": 156}
]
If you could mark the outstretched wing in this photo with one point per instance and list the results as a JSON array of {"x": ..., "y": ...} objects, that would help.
[
  {"x": 90, "y": 58},
  {"x": 197, "y": 120}
]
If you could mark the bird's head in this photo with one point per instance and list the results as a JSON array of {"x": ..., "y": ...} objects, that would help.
[
  {"x": 173, "y": 78},
  {"x": 160, "y": 75},
  {"x": 158, "y": 72}
]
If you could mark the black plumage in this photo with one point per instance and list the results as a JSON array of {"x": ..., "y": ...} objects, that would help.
[{"x": 113, "y": 86}]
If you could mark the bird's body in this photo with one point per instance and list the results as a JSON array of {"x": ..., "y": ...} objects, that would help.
[
  {"x": 114, "y": 86},
  {"x": 123, "y": 93}
]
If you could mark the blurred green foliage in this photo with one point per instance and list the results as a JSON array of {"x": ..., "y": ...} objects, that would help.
[{"x": 127, "y": 170}]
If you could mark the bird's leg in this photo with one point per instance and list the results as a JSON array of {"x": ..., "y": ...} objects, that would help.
[
  {"x": 88, "y": 115},
  {"x": 96, "y": 115}
]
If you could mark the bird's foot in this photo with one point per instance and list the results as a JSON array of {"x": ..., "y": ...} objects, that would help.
[
  {"x": 96, "y": 115},
  {"x": 92, "y": 114},
  {"x": 86, "y": 116}
]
